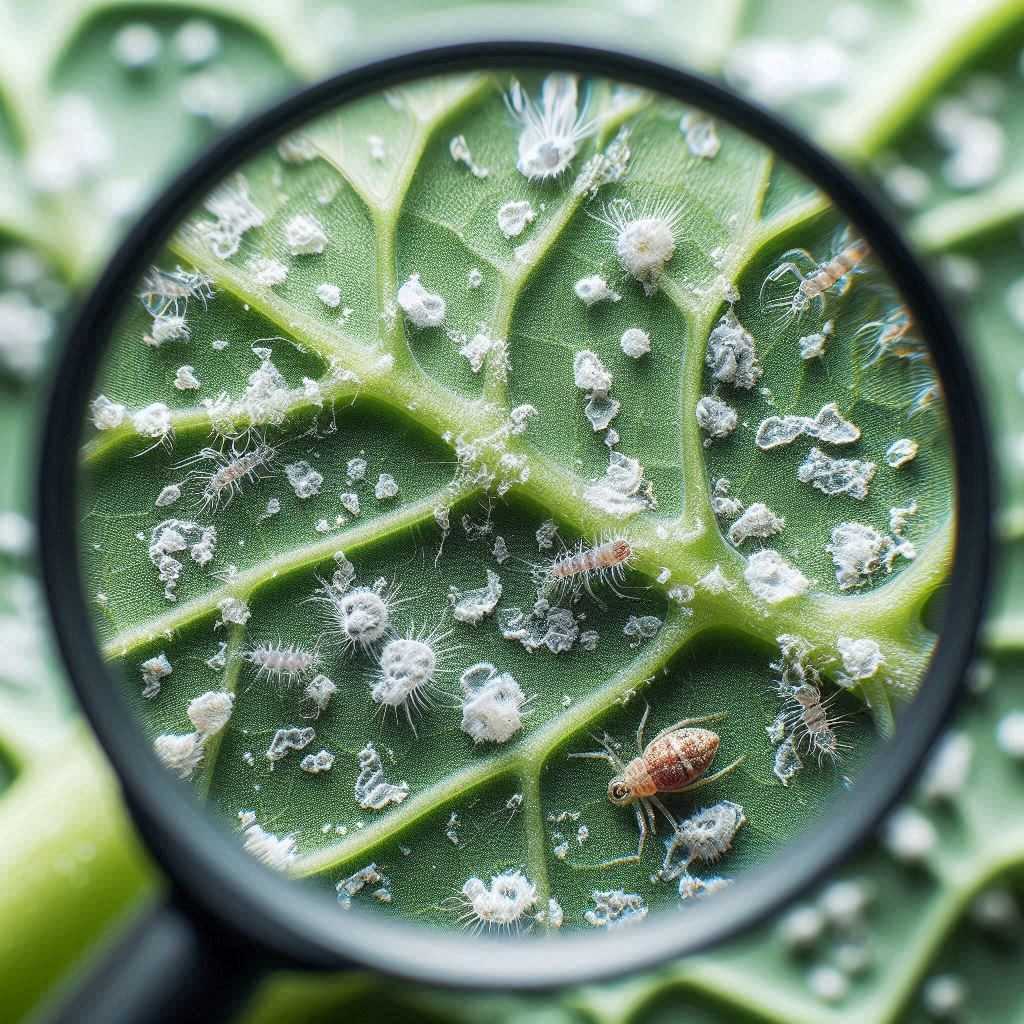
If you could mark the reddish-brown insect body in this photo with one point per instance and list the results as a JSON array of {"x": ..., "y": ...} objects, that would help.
[{"x": 669, "y": 763}]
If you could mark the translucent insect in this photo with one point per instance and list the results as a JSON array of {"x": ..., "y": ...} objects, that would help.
[
  {"x": 551, "y": 132},
  {"x": 832, "y": 275},
  {"x": 805, "y": 716},
  {"x": 407, "y": 667},
  {"x": 285, "y": 664},
  {"x": 227, "y": 469},
  {"x": 166, "y": 293},
  {"x": 675, "y": 761},
  {"x": 645, "y": 241},
  {"x": 580, "y": 568}
]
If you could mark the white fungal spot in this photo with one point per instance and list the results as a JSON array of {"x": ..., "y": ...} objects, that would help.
[
  {"x": 858, "y": 552},
  {"x": 714, "y": 582},
  {"x": 551, "y": 131},
  {"x": 423, "y": 308},
  {"x": 594, "y": 289},
  {"x": 731, "y": 353},
  {"x": 329, "y": 294},
  {"x": 635, "y": 342},
  {"x": 614, "y": 908},
  {"x": 234, "y": 611},
  {"x": 836, "y": 476},
  {"x": 168, "y": 496},
  {"x": 106, "y": 413},
  {"x": 700, "y": 134},
  {"x": 590, "y": 374},
  {"x": 828, "y": 425},
  {"x": 459, "y": 150},
  {"x": 622, "y": 491},
  {"x": 772, "y": 579},
  {"x": 182, "y": 753},
  {"x": 304, "y": 479},
  {"x": 355, "y": 469},
  {"x": 386, "y": 487},
  {"x": 501, "y": 905},
  {"x": 235, "y": 214},
  {"x": 185, "y": 379},
  {"x": 757, "y": 521},
  {"x": 492, "y": 704},
  {"x": 210, "y": 711},
  {"x": 276, "y": 852},
  {"x": 304, "y": 235},
  {"x": 267, "y": 272},
  {"x": 812, "y": 346},
  {"x": 474, "y": 278},
  {"x": 153, "y": 420},
  {"x": 605, "y": 168},
  {"x": 861, "y": 659},
  {"x": 716, "y": 418},
  {"x": 317, "y": 764},
  {"x": 909, "y": 836},
  {"x": 372, "y": 791},
  {"x": 901, "y": 452},
  {"x": 361, "y": 879},
  {"x": 288, "y": 739},
  {"x": 319, "y": 691},
  {"x": 154, "y": 671},
  {"x": 513, "y": 217},
  {"x": 473, "y": 606},
  {"x": 172, "y": 537}
]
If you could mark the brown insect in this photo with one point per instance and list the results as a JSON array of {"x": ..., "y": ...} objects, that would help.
[{"x": 675, "y": 761}]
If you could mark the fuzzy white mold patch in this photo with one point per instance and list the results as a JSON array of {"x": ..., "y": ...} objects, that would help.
[
  {"x": 836, "y": 476},
  {"x": 758, "y": 520},
  {"x": 288, "y": 739},
  {"x": 594, "y": 289},
  {"x": 318, "y": 692},
  {"x": 106, "y": 413},
  {"x": 211, "y": 711},
  {"x": 153, "y": 420},
  {"x": 493, "y": 704},
  {"x": 901, "y": 452},
  {"x": 176, "y": 536},
  {"x": 635, "y": 342},
  {"x": 716, "y": 418},
  {"x": 772, "y": 579},
  {"x": 542, "y": 628},
  {"x": 318, "y": 763},
  {"x": 276, "y": 852},
  {"x": 862, "y": 658},
  {"x": 234, "y": 213},
  {"x": 304, "y": 235},
  {"x": 700, "y": 134},
  {"x": 473, "y": 606},
  {"x": 304, "y": 479},
  {"x": 614, "y": 908},
  {"x": 514, "y": 216},
  {"x": 266, "y": 271},
  {"x": 828, "y": 426},
  {"x": 622, "y": 492},
  {"x": 372, "y": 790},
  {"x": 154, "y": 671},
  {"x": 732, "y": 354},
  {"x": 181, "y": 753},
  {"x": 422, "y": 307}
]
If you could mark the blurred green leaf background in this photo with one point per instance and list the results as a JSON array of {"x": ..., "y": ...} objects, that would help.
[{"x": 922, "y": 96}]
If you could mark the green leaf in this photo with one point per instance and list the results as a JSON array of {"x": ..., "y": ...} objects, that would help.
[{"x": 495, "y": 453}]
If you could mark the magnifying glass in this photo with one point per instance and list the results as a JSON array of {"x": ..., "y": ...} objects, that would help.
[{"x": 513, "y": 514}]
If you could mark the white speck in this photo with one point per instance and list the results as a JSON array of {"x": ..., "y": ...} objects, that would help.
[
  {"x": 196, "y": 42},
  {"x": 944, "y": 996},
  {"x": 622, "y": 491},
  {"x": 945, "y": 774},
  {"x": 423, "y": 308},
  {"x": 1010, "y": 734},
  {"x": 503, "y": 904},
  {"x": 24, "y": 331},
  {"x": 329, "y": 294},
  {"x": 274, "y": 851},
  {"x": 152, "y": 420},
  {"x": 513, "y": 217},
  {"x": 909, "y": 836},
  {"x": 182, "y": 753},
  {"x": 304, "y": 479},
  {"x": 492, "y": 705},
  {"x": 801, "y": 928},
  {"x": 862, "y": 659},
  {"x": 154, "y": 671},
  {"x": 167, "y": 327},
  {"x": 716, "y": 418},
  {"x": 474, "y": 278},
  {"x": 594, "y": 289},
  {"x": 828, "y": 983},
  {"x": 234, "y": 611},
  {"x": 267, "y": 272},
  {"x": 906, "y": 185},
  {"x": 210, "y": 711},
  {"x": 235, "y": 214},
  {"x": 290, "y": 738},
  {"x": 590, "y": 374},
  {"x": 772, "y": 579},
  {"x": 901, "y": 452},
  {"x": 106, "y": 414},
  {"x": 555, "y": 913},
  {"x": 304, "y": 235},
  {"x": 828, "y": 426},
  {"x": 459, "y": 149},
  {"x": 137, "y": 46},
  {"x": 355, "y": 469},
  {"x": 635, "y": 342},
  {"x": 385, "y": 488},
  {"x": 168, "y": 496},
  {"x": 858, "y": 552},
  {"x": 378, "y": 151},
  {"x": 319, "y": 691},
  {"x": 812, "y": 346},
  {"x": 614, "y": 908},
  {"x": 185, "y": 379},
  {"x": 714, "y": 582},
  {"x": 700, "y": 134},
  {"x": 473, "y": 606}
]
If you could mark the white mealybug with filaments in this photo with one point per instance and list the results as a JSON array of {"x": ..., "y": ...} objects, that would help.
[
  {"x": 501, "y": 906},
  {"x": 551, "y": 132},
  {"x": 223, "y": 472},
  {"x": 831, "y": 275},
  {"x": 644, "y": 242},
  {"x": 358, "y": 618},
  {"x": 285, "y": 664},
  {"x": 579, "y": 569},
  {"x": 407, "y": 667},
  {"x": 167, "y": 293}
]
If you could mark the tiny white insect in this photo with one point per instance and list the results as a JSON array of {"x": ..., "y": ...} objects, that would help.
[
  {"x": 285, "y": 664},
  {"x": 645, "y": 241},
  {"x": 500, "y": 906},
  {"x": 407, "y": 668},
  {"x": 222, "y": 472},
  {"x": 579, "y": 569},
  {"x": 357, "y": 619}
]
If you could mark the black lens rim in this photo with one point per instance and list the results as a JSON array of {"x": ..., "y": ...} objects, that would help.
[{"x": 296, "y": 925}]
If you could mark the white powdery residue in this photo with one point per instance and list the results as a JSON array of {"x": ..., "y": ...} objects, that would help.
[
  {"x": 700, "y": 134},
  {"x": 319, "y": 691},
  {"x": 594, "y": 289},
  {"x": 812, "y": 346},
  {"x": 372, "y": 791},
  {"x": 590, "y": 374},
  {"x": 235, "y": 214},
  {"x": 692, "y": 888},
  {"x": 909, "y": 836},
  {"x": 500, "y": 550},
  {"x": 714, "y": 582},
  {"x": 757, "y": 521},
  {"x": 329, "y": 294},
  {"x": 514, "y": 216},
  {"x": 474, "y": 278},
  {"x": 24, "y": 331},
  {"x": 355, "y": 469},
  {"x": 350, "y": 502},
  {"x": 501, "y": 905},
  {"x": 622, "y": 492},
  {"x": 181, "y": 752},
  {"x": 165, "y": 328},
  {"x": 901, "y": 452},
  {"x": 317, "y": 764},
  {"x": 361, "y": 879},
  {"x": 948, "y": 767},
  {"x": 210, "y": 711},
  {"x": 473, "y": 606},
  {"x": 858, "y": 551},
  {"x": 716, "y": 418},
  {"x": 276, "y": 852},
  {"x": 168, "y": 495},
  {"x": 828, "y": 983},
  {"x": 772, "y": 579},
  {"x": 175, "y": 536},
  {"x": 543, "y": 627},
  {"x": 289, "y": 738},
  {"x": 731, "y": 353},
  {"x": 1010, "y": 734},
  {"x": 185, "y": 379},
  {"x": 642, "y": 627},
  {"x": 828, "y": 426},
  {"x": 153, "y": 420},
  {"x": 836, "y": 476},
  {"x": 493, "y": 704},
  {"x": 106, "y": 413},
  {"x": 267, "y": 272},
  {"x": 423, "y": 308},
  {"x": 304, "y": 235},
  {"x": 459, "y": 150},
  {"x": 635, "y": 342},
  {"x": 545, "y": 535},
  {"x": 614, "y": 908},
  {"x": 862, "y": 658},
  {"x": 154, "y": 671},
  {"x": 234, "y": 611},
  {"x": 304, "y": 479},
  {"x": 476, "y": 349},
  {"x": 555, "y": 913},
  {"x": 386, "y": 487},
  {"x": 787, "y": 761}
]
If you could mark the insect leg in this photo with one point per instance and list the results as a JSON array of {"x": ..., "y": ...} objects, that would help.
[
  {"x": 708, "y": 779},
  {"x": 685, "y": 723},
  {"x": 669, "y": 817},
  {"x": 640, "y": 728}
]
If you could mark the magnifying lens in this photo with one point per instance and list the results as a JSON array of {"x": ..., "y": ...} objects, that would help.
[{"x": 513, "y": 514}]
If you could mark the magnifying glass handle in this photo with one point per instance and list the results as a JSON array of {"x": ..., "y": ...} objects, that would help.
[{"x": 164, "y": 968}]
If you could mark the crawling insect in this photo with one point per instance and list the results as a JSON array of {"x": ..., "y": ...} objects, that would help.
[
  {"x": 578, "y": 569},
  {"x": 675, "y": 761},
  {"x": 834, "y": 274},
  {"x": 167, "y": 292},
  {"x": 231, "y": 468}
]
